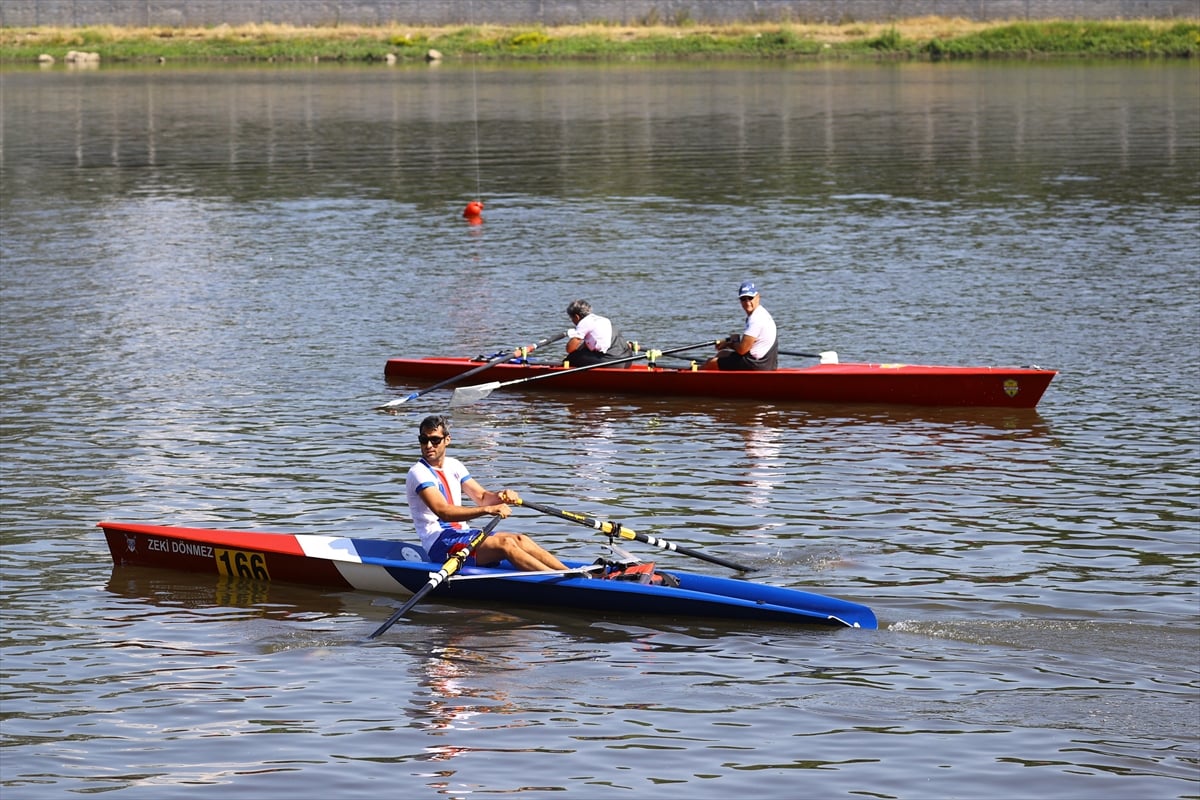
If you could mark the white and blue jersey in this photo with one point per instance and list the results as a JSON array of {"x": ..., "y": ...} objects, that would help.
[{"x": 449, "y": 481}]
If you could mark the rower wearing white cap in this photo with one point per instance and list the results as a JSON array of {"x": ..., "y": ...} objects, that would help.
[{"x": 756, "y": 347}]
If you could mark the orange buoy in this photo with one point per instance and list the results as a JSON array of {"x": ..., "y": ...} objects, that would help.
[{"x": 473, "y": 210}]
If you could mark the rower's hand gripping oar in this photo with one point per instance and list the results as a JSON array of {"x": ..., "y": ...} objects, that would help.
[
  {"x": 465, "y": 395},
  {"x": 452, "y": 565},
  {"x": 617, "y": 529},
  {"x": 491, "y": 361}
]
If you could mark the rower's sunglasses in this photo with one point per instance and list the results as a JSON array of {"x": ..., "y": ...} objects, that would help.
[{"x": 433, "y": 440}]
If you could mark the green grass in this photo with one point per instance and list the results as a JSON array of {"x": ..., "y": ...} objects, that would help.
[
  {"x": 916, "y": 39},
  {"x": 1108, "y": 39}
]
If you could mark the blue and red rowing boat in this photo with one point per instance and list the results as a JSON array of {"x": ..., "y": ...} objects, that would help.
[{"x": 393, "y": 567}]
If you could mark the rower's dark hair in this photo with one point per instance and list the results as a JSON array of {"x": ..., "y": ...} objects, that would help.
[
  {"x": 579, "y": 308},
  {"x": 435, "y": 421}
]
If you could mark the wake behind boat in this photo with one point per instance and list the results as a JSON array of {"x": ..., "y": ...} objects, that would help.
[
  {"x": 392, "y": 567},
  {"x": 842, "y": 383}
]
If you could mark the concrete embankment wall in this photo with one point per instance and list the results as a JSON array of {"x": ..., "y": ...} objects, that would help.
[{"x": 203, "y": 13}]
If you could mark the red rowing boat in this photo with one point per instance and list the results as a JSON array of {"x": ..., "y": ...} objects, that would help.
[{"x": 888, "y": 384}]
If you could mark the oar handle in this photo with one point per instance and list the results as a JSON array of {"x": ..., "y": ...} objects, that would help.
[
  {"x": 452, "y": 565},
  {"x": 524, "y": 351}
]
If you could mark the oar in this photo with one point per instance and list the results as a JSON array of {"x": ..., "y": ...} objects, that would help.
[
  {"x": 490, "y": 362},
  {"x": 617, "y": 529},
  {"x": 456, "y": 560},
  {"x": 826, "y": 356},
  {"x": 465, "y": 395}
]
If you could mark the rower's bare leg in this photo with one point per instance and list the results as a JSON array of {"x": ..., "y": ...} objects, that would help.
[
  {"x": 540, "y": 553},
  {"x": 521, "y": 551}
]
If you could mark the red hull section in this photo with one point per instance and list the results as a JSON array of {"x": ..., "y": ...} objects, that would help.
[
  {"x": 885, "y": 384},
  {"x": 261, "y": 556}
]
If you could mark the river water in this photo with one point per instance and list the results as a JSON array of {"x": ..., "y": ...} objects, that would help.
[{"x": 204, "y": 271}]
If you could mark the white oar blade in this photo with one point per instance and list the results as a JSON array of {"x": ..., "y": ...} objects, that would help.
[
  {"x": 399, "y": 401},
  {"x": 465, "y": 395},
  {"x": 829, "y": 357}
]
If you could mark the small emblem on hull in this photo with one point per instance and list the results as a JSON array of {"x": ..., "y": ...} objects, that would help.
[{"x": 1011, "y": 387}]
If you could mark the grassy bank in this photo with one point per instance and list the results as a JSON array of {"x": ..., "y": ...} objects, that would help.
[{"x": 925, "y": 38}]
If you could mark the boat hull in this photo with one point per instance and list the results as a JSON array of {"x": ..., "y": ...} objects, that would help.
[
  {"x": 885, "y": 384},
  {"x": 390, "y": 567}
]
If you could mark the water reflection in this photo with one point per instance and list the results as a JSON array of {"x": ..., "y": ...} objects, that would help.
[
  {"x": 595, "y": 431},
  {"x": 763, "y": 448},
  {"x": 608, "y": 414},
  {"x": 251, "y": 599},
  {"x": 453, "y": 697},
  {"x": 758, "y": 477},
  {"x": 409, "y": 127}
]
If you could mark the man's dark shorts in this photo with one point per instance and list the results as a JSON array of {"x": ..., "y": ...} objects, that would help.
[{"x": 733, "y": 362}]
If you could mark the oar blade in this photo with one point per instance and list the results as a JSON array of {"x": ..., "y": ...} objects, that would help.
[
  {"x": 400, "y": 612},
  {"x": 399, "y": 401},
  {"x": 465, "y": 395}
]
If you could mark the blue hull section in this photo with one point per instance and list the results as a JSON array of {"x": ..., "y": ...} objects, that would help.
[{"x": 696, "y": 596}]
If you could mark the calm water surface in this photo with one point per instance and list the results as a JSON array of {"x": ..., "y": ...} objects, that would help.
[{"x": 204, "y": 272}]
